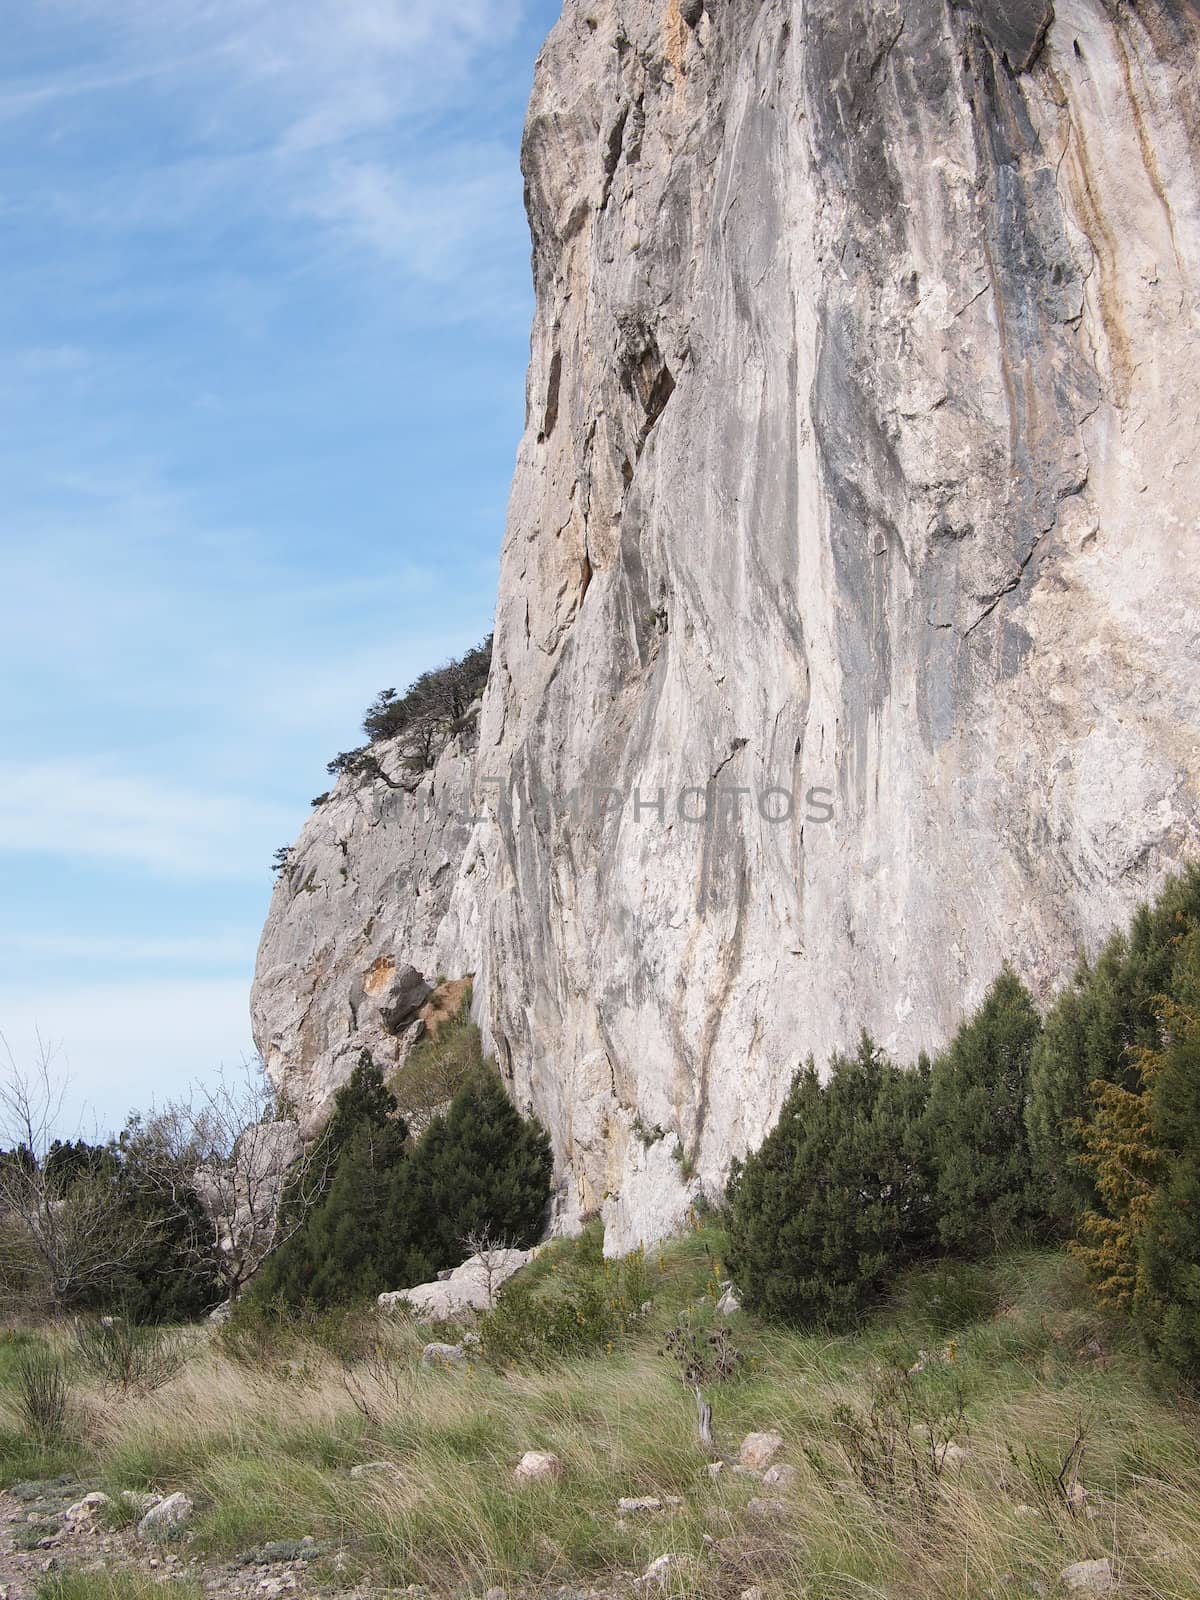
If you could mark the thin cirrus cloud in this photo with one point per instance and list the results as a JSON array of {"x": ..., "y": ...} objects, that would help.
[
  {"x": 69, "y": 808},
  {"x": 222, "y": 948},
  {"x": 360, "y": 117}
]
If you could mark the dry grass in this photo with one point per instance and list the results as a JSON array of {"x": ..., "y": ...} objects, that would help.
[{"x": 266, "y": 1451}]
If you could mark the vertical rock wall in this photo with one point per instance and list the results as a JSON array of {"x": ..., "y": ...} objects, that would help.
[{"x": 860, "y": 473}]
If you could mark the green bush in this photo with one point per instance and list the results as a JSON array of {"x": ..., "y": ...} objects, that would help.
[
  {"x": 838, "y": 1197},
  {"x": 1140, "y": 1240},
  {"x": 438, "y": 1065},
  {"x": 288, "y": 1340},
  {"x": 340, "y": 1250},
  {"x": 43, "y": 1393},
  {"x": 128, "y": 1357},
  {"x": 589, "y": 1304},
  {"x": 395, "y": 1212},
  {"x": 478, "y": 1168},
  {"x": 1105, "y": 1016},
  {"x": 1171, "y": 1244},
  {"x": 985, "y": 1194}
]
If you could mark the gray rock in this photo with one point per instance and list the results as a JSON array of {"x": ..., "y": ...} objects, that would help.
[
  {"x": 642, "y": 1503},
  {"x": 661, "y": 1571},
  {"x": 538, "y": 1466},
  {"x": 393, "y": 994},
  {"x": 759, "y": 1450},
  {"x": 167, "y": 1517},
  {"x": 767, "y": 1508},
  {"x": 780, "y": 1476},
  {"x": 858, "y": 459},
  {"x": 443, "y": 1355},
  {"x": 1090, "y": 1577},
  {"x": 276, "y": 1584},
  {"x": 729, "y": 1303},
  {"x": 469, "y": 1288},
  {"x": 85, "y": 1510}
]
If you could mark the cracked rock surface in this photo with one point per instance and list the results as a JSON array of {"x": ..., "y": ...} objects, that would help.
[{"x": 861, "y": 464}]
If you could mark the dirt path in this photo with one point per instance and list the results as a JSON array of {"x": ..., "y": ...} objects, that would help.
[
  {"x": 40, "y": 1533},
  {"x": 44, "y": 1528}
]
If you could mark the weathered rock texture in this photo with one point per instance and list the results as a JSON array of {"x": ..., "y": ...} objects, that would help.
[
  {"x": 861, "y": 456},
  {"x": 365, "y": 907}
]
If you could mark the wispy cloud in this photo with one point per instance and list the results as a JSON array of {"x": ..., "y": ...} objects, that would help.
[
  {"x": 260, "y": 385},
  {"x": 67, "y": 808},
  {"x": 347, "y": 113},
  {"x": 224, "y": 949}
]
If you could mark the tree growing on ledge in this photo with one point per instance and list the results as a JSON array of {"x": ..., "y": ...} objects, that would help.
[{"x": 441, "y": 696}]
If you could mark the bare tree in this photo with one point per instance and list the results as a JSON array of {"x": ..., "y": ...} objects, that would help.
[
  {"x": 244, "y": 1157},
  {"x": 61, "y": 1233},
  {"x": 491, "y": 1253}
]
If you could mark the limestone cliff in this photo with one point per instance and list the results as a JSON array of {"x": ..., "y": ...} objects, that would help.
[{"x": 859, "y": 477}]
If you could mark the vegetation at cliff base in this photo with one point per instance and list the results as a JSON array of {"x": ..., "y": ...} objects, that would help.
[
  {"x": 1083, "y": 1130},
  {"x": 837, "y": 1198},
  {"x": 920, "y": 1457},
  {"x": 396, "y": 1210}
]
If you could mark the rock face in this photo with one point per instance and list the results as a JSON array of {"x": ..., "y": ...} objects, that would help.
[
  {"x": 471, "y": 1287},
  {"x": 849, "y": 611},
  {"x": 242, "y": 1196},
  {"x": 364, "y": 908}
]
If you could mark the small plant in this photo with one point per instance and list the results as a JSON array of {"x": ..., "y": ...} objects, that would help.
[
  {"x": 281, "y": 860},
  {"x": 125, "y": 1357},
  {"x": 951, "y": 1295},
  {"x": 703, "y": 1358},
  {"x": 594, "y": 1305},
  {"x": 687, "y": 1167},
  {"x": 1053, "y": 1482},
  {"x": 645, "y": 1135},
  {"x": 43, "y": 1394},
  {"x": 897, "y": 1448}
]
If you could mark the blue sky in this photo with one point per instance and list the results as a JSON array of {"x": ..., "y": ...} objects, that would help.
[{"x": 264, "y": 311}]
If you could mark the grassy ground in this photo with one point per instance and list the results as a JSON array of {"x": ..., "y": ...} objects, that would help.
[{"x": 1016, "y": 1368}]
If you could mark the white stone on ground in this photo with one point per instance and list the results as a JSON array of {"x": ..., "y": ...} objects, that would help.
[
  {"x": 760, "y": 1449},
  {"x": 537, "y": 1466},
  {"x": 166, "y": 1516},
  {"x": 1091, "y": 1578}
]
